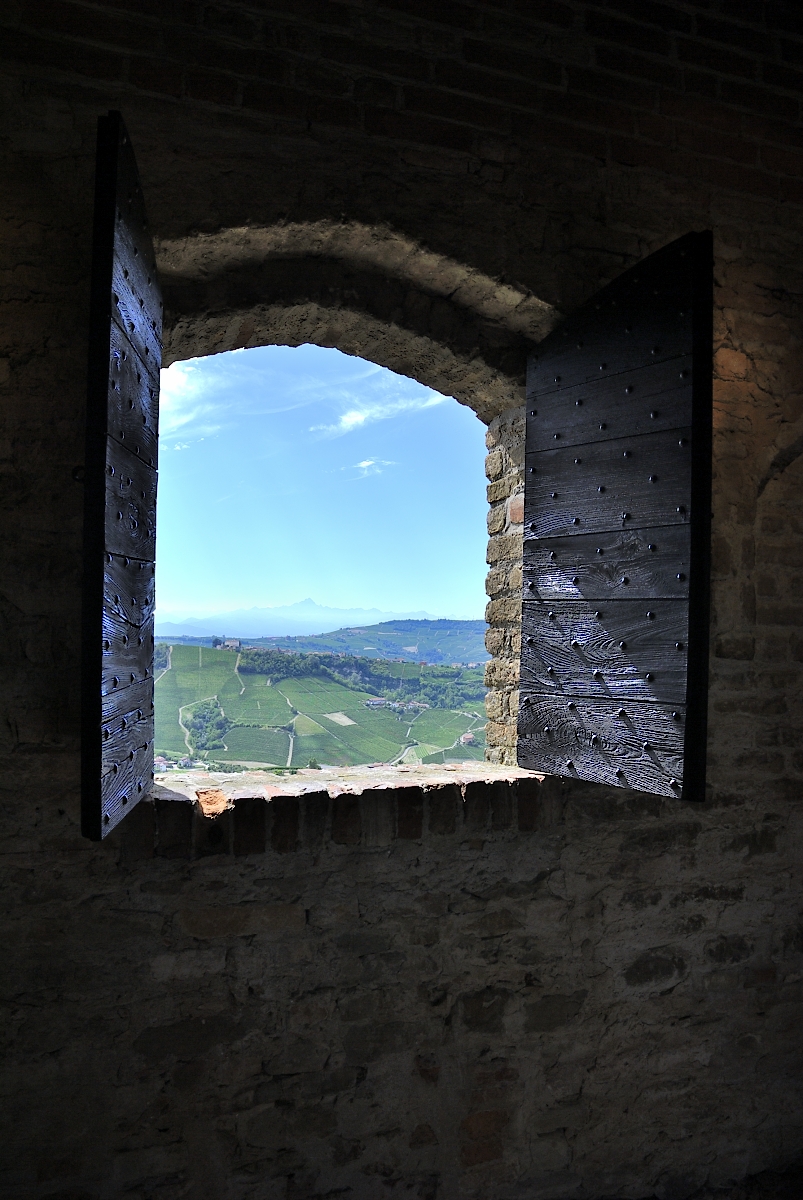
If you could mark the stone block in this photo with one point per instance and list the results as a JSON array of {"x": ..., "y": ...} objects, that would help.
[{"x": 242, "y": 920}]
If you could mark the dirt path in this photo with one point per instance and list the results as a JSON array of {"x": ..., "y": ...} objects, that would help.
[
  {"x": 167, "y": 668},
  {"x": 237, "y": 673},
  {"x": 184, "y": 728}
]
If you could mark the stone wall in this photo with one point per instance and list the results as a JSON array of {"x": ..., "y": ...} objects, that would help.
[
  {"x": 547, "y": 992},
  {"x": 504, "y": 467},
  {"x": 607, "y": 1001}
]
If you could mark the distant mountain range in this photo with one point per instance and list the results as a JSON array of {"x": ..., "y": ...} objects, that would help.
[
  {"x": 294, "y": 620},
  {"x": 434, "y": 640}
]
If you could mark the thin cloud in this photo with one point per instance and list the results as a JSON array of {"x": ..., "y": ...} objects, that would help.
[
  {"x": 369, "y": 412},
  {"x": 369, "y": 466}
]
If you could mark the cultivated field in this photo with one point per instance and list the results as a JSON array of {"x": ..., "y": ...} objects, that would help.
[{"x": 288, "y": 722}]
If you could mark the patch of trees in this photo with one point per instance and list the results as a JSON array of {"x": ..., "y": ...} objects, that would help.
[
  {"x": 161, "y": 656},
  {"x": 279, "y": 665},
  {"x": 207, "y": 725}
]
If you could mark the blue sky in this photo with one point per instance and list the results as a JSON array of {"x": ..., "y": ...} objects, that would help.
[{"x": 293, "y": 472}]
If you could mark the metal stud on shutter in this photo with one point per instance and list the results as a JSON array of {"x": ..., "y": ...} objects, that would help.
[
  {"x": 614, "y": 663},
  {"x": 120, "y": 492}
]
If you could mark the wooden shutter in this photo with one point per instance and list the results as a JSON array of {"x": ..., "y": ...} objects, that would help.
[
  {"x": 120, "y": 492},
  {"x": 614, "y": 660}
]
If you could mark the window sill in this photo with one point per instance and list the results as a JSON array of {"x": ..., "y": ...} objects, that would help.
[{"x": 216, "y": 792}]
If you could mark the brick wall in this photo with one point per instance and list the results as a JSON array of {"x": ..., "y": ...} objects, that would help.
[{"x": 543, "y": 146}]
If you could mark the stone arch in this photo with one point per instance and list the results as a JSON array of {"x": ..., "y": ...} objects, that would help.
[{"x": 364, "y": 289}]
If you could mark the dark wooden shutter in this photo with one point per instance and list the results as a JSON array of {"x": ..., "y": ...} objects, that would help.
[
  {"x": 614, "y": 660},
  {"x": 120, "y": 492}
]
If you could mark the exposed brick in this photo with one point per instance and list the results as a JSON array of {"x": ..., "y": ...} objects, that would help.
[
  {"x": 760, "y": 100},
  {"x": 627, "y": 33},
  {"x": 784, "y": 77},
  {"x": 319, "y": 79},
  {"x": 589, "y": 112},
  {"x": 731, "y": 34},
  {"x": 784, "y": 161},
  {"x": 346, "y": 823},
  {"x": 512, "y": 62},
  {"x": 410, "y": 817},
  {"x": 792, "y": 190},
  {"x": 276, "y": 100},
  {"x": 174, "y": 821},
  {"x": 137, "y": 834},
  {"x": 638, "y": 66},
  {"x": 716, "y": 143},
  {"x": 442, "y": 803},
  {"x": 213, "y": 87},
  {"x": 439, "y": 103},
  {"x": 375, "y": 91},
  {"x": 724, "y": 62},
  {"x": 211, "y": 835},
  {"x": 232, "y": 22},
  {"x": 445, "y": 12},
  {"x": 509, "y": 90},
  {"x": 93, "y": 24},
  {"x": 316, "y": 812},
  {"x": 700, "y": 83},
  {"x": 249, "y": 821},
  {"x": 388, "y": 61},
  {"x": 722, "y": 174},
  {"x": 384, "y": 122},
  {"x": 527, "y": 809},
  {"x": 195, "y": 48},
  {"x": 547, "y": 12},
  {"x": 650, "y": 13},
  {"x": 476, "y": 808},
  {"x": 657, "y": 129},
  {"x": 698, "y": 111},
  {"x": 319, "y": 12},
  {"x": 81, "y": 60},
  {"x": 561, "y": 135},
  {"x": 155, "y": 75},
  {"x": 284, "y": 830},
  {"x": 780, "y": 14},
  {"x": 609, "y": 87}
]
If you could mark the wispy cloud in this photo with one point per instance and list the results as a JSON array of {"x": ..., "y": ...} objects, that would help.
[
  {"x": 185, "y": 403},
  {"x": 369, "y": 466},
  {"x": 368, "y": 411}
]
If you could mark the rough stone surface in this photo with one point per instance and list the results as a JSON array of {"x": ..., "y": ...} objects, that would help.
[{"x": 524, "y": 995}]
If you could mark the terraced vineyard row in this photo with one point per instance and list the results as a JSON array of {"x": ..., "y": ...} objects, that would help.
[{"x": 289, "y": 722}]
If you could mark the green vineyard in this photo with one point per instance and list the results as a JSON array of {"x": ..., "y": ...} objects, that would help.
[{"x": 207, "y": 709}]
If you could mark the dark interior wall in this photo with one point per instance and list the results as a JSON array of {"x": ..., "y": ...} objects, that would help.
[{"x": 546, "y": 145}]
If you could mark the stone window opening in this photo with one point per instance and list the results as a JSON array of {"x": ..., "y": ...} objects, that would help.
[{"x": 375, "y": 295}]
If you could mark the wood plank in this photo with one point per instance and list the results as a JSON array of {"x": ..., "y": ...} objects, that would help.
[
  {"x": 126, "y": 782},
  {"x": 639, "y": 482},
  {"x": 644, "y": 316},
  {"x": 622, "y": 744},
  {"x": 130, "y": 504},
  {"x": 644, "y": 400},
  {"x": 122, "y": 702},
  {"x": 129, "y": 588},
  {"x": 633, "y": 564},
  {"x": 631, "y": 648},
  {"x": 133, "y": 400},
  {"x": 127, "y": 652},
  {"x": 119, "y": 736}
]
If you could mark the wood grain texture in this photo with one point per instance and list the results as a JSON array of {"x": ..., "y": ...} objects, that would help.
[
  {"x": 650, "y": 398},
  {"x": 627, "y": 564},
  {"x": 127, "y": 652},
  {"x": 120, "y": 492},
  {"x": 633, "y": 648},
  {"x": 618, "y": 743},
  {"x": 130, "y": 504},
  {"x": 126, "y": 782},
  {"x": 638, "y": 481},
  {"x": 644, "y": 316},
  {"x": 616, "y": 536},
  {"x": 133, "y": 401},
  {"x": 129, "y": 588}
]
